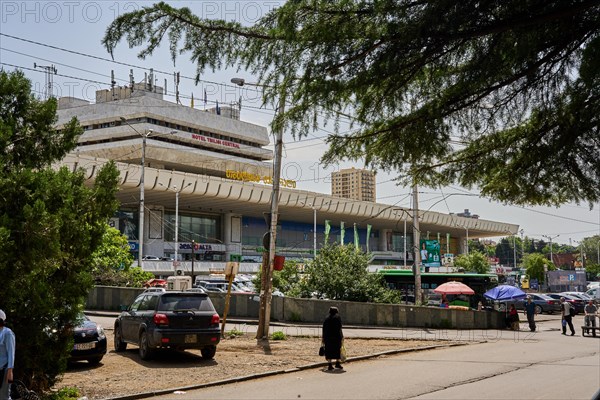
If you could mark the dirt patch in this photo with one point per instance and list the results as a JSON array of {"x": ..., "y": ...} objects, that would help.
[{"x": 121, "y": 374}]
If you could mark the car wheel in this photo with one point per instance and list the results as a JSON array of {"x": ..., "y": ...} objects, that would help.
[
  {"x": 208, "y": 352},
  {"x": 120, "y": 345},
  {"x": 539, "y": 309},
  {"x": 95, "y": 360},
  {"x": 145, "y": 350}
]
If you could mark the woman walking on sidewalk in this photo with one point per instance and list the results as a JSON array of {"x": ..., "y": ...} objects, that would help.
[{"x": 333, "y": 338}]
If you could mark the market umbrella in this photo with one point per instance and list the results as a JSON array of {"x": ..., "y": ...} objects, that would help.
[
  {"x": 454, "y": 287},
  {"x": 505, "y": 293}
]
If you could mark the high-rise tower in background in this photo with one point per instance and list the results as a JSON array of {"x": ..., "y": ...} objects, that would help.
[{"x": 352, "y": 183}]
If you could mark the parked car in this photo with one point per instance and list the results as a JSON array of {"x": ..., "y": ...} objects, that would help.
[
  {"x": 543, "y": 303},
  {"x": 579, "y": 295},
  {"x": 594, "y": 293},
  {"x": 155, "y": 289},
  {"x": 593, "y": 285},
  {"x": 90, "y": 342},
  {"x": 150, "y": 258},
  {"x": 172, "y": 320},
  {"x": 577, "y": 303},
  {"x": 196, "y": 290}
]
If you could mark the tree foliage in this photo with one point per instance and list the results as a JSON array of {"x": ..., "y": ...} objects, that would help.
[
  {"x": 475, "y": 261},
  {"x": 499, "y": 95},
  {"x": 285, "y": 280},
  {"x": 534, "y": 265},
  {"x": 111, "y": 263},
  {"x": 50, "y": 225},
  {"x": 340, "y": 273}
]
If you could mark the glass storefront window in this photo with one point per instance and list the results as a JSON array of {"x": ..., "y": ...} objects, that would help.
[{"x": 200, "y": 228}]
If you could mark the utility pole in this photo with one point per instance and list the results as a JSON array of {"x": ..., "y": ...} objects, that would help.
[
  {"x": 514, "y": 251},
  {"x": 416, "y": 245},
  {"x": 263, "y": 329},
  {"x": 550, "y": 238}
]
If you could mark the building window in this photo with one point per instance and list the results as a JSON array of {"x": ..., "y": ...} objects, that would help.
[{"x": 200, "y": 228}]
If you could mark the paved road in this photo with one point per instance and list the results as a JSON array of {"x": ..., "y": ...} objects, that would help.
[{"x": 511, "y": 365}]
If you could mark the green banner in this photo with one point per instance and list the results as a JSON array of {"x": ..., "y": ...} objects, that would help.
[
  {"x": 368, "y": 235},
  {"x": 356, "y": 241},
  {"x": 342, "y": 233},
  {"x": 430, "y": 253},
  {"x": 327, "y": 229}
]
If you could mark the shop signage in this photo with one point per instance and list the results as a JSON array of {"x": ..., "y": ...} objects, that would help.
[{"x": 248, "y": 177}]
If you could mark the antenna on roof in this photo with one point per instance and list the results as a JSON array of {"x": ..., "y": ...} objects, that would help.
[
  {"x": 131, "y": 81},
  {"x": 49, "y": 71},
  {"x": 176, "y": 77}
]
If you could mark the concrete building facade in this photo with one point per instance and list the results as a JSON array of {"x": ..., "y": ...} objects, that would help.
[{"x": 215, "y": 171}]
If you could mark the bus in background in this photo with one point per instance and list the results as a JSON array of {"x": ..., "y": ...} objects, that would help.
[{"x": 404, "y": 280}]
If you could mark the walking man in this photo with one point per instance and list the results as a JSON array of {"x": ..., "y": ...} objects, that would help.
[
  {"x": 530, "y": 312},
  {"x": 590, "y": 315},
  {"x": 7, "y": 357},
  {"x": 565, "y": 308}
]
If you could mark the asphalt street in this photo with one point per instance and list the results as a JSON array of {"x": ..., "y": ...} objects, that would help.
[{"x": 496, "y": 365}]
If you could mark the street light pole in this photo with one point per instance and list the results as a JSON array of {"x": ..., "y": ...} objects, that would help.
[
  {"x": 467, "y": 246},
  {"x": 416, "y": 244},
  {"x": 515, "y": 251},
  {"x": 551, "y": 238},
  {"x": 177, "y": 191},
  {"x": 315, "y": 232},
  {"x": 141, "y": 217}
]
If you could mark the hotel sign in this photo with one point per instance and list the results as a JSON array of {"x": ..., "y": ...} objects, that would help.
[
  {"x": 248, "y": 177},
  {"x": 220, "y": 142}
]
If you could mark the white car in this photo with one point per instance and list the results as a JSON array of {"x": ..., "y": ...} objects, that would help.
[
  {"x": 592, "y": 285},
  {"x": 594, "y": 293}
]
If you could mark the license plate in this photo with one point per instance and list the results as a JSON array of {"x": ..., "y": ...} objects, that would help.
[
  {"x": 85, "y": 346},
  {"x": 190, "y": 339}
]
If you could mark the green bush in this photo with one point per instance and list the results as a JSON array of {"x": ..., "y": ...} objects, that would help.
[{"x": 278, "y": 335}]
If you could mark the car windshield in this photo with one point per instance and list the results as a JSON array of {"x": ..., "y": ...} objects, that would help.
[{"x": 180, "y": 302}]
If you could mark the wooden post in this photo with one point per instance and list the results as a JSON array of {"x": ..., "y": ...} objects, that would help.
[{"x": 227, "y": 297}]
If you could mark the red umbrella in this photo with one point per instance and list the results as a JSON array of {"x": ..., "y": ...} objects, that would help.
[{"x": 454, "y": 287}]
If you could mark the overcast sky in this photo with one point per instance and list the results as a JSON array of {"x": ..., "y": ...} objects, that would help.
[{"x": 67, "y": 35}]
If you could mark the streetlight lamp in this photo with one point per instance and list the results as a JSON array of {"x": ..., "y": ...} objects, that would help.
[
  {"x": 264, "y": 314},
  {"x": 141, "y": 217},
  {"x": 177, "y": 191},
  {"x": 144, "y": 136},
  {"x": 550, "y": 238}
]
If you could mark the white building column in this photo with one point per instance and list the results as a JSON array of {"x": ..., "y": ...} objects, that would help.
[
  {"x": 385, "y": 240},
  {"x": 462, "y": 245},
  {"x": 232, "y": 229}
]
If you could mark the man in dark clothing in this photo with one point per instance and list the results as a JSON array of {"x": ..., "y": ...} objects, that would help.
[
  {"x": 333, "y": 338},
  {"x": 530, "y": 312}
]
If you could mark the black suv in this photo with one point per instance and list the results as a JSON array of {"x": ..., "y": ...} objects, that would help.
[{"x": 176, "y": 320}]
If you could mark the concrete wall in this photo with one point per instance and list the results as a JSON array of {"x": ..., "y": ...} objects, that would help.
[{"x": 314, "y": 311}]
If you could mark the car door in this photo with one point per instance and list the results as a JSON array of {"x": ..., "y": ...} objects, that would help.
[{"x": 130, "y": 320}]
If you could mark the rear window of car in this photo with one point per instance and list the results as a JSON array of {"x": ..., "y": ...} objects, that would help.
[{"x": 185, "y": 302}]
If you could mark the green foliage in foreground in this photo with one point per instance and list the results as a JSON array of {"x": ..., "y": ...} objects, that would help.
[{"x": 51, "y": 223}]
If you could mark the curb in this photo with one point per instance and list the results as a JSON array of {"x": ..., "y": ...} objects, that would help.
[{"x": 163, "y": 392}]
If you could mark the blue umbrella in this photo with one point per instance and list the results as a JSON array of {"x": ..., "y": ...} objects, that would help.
[{"x": 505, "y": 293}]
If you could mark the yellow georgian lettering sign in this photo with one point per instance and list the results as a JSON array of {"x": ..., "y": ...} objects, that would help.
[{"x": 248, "y": 177}]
